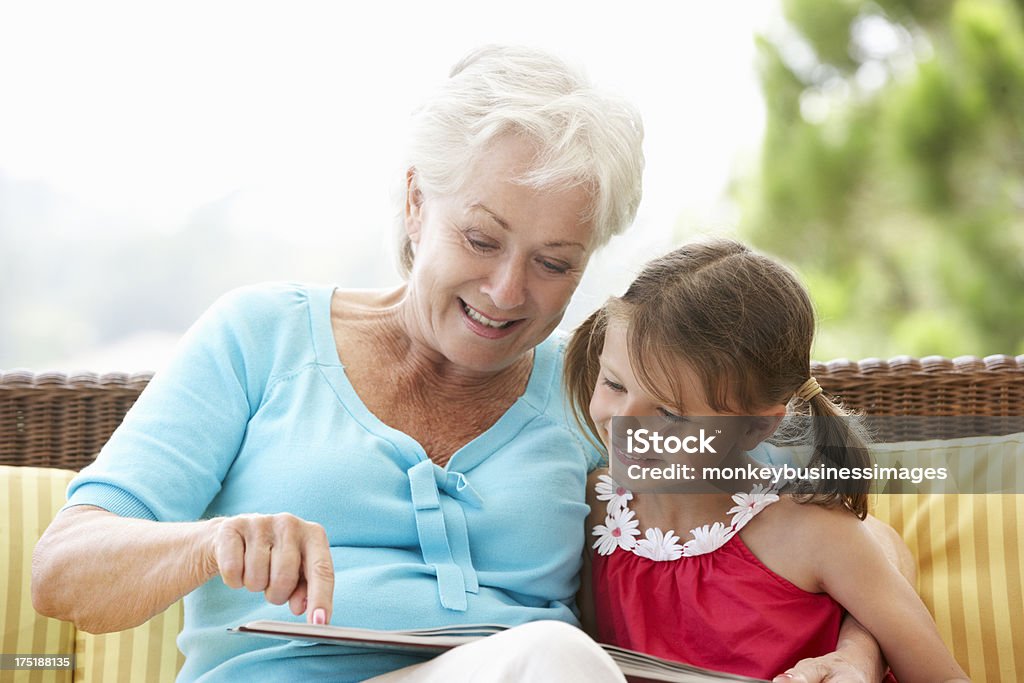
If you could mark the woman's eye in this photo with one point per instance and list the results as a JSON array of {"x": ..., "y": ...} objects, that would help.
[
  {"x": 618, "y": 388},
  {"x": 480, "y": 245},
  {"x": 554, "y": 267}
]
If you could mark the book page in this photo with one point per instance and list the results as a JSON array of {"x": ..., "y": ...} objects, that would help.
[{"x": 443, "y": 638}]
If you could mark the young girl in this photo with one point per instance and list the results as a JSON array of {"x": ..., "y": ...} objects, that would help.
[{"x": 763, "y": 579}]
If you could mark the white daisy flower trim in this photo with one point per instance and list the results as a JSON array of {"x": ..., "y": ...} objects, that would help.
[
  {"x": 620, "y": 526},
  {"x": 618, "y": 496},
  {"x": 618, "y": 531},
  {"x": 658, "y": 546},
  {"x": 707, "y": 538},
  {"x": 749, "y": 504}
]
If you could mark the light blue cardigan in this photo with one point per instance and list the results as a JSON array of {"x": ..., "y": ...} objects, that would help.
[{"x": 255, "y": 415}]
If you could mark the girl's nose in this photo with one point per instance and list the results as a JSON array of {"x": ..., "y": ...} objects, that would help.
[{"x": 632, "y": 408}]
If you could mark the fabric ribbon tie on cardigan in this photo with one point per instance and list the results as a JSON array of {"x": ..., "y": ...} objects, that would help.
[{"x": 441, "y": 525}]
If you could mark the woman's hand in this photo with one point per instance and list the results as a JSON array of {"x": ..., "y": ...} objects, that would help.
[
  {"x": 287, "y": 558},
  {"x": 830, "y": 668},
  {"x": 156, "y": 563}
]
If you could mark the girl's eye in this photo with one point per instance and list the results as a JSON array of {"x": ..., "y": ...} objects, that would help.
[
  {"x": 618, "y": 388},
  {"x": 671, "y": 416},
  {"x": 554, "y": 267}
]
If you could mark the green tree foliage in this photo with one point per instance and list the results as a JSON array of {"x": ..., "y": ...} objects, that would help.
[{"x": 892, "y": 172}]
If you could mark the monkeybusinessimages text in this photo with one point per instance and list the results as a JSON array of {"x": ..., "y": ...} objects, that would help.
[{"x": 641, "y": 444}]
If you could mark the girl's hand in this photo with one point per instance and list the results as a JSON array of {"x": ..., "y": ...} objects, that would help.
[{"x": 286, "y": 558}]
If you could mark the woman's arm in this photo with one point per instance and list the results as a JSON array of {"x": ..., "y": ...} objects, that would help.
[
  {"x": 855, "y": 570},
  {"x": 109, "y": 573},
  {"x": 857, "y": 659}
]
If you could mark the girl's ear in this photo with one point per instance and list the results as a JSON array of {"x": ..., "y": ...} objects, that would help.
[
  {"x": 759, "y": 427},
  {"x": 413, "y": 206}
]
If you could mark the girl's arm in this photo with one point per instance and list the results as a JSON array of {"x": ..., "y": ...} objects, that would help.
[
  {"x": 857, "y": 658},
  {"x": 853, "y": 568}
]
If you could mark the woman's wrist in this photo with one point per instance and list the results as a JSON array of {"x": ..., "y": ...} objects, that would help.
[
  {"x": 202, "y": 550},
  {"x": 861, "y": 650}
]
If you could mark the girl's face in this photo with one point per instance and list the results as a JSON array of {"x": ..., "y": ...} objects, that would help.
[{"x": 618, "y": 393}]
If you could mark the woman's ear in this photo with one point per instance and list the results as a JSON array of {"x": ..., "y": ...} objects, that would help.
[
  {"x": 759, "y": 427},
  {"x": 413, "y": 206}
]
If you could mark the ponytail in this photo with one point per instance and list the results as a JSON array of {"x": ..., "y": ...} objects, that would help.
[{"x": 839, "y": 441}]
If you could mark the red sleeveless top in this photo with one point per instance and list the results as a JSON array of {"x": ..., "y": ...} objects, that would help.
[{"x": 710, "y": 602}]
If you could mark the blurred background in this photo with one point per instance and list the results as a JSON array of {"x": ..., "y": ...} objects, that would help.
[{"x": 154, "y": 156}]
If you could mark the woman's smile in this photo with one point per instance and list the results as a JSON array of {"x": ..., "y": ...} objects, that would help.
[{"x": 487, "y": 326}]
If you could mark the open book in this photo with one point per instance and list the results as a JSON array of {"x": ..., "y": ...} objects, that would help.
[{"x": 435, "y": 640}]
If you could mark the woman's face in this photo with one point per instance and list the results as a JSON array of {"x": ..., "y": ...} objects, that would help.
[{"x": 495, "y": 263}]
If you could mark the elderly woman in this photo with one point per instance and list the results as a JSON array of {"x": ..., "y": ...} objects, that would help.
[{"x": 384, "y": 459}]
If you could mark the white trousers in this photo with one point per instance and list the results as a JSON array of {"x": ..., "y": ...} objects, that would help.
[{"x": 537, "y": 652}]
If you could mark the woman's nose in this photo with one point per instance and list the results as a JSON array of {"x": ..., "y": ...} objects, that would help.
[{"x": 507, "y": 285}]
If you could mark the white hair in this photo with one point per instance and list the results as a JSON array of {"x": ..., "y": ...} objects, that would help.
[{"x": 584, "y": 137}]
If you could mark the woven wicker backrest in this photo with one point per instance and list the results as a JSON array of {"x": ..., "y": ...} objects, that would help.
[
  {"x": 974, "y": 390},
  {"x": 57, "y": 420}
]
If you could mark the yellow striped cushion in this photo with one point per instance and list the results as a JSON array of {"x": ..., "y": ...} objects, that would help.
[
  {"x": 32, "y": 497},
  {"x": 145, "y": 653},
  {"x": 970, "y": 556}
]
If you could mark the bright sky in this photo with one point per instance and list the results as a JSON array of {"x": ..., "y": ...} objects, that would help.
[{"x": 149, "y": 111}]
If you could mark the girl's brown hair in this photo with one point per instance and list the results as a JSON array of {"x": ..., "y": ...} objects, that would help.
[{"x": 744, "y": 324}]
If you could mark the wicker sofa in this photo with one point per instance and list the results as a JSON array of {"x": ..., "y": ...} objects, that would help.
[{"x": 970, "y": 558}]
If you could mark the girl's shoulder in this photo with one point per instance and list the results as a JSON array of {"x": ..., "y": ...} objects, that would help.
[
  {"x": 792, "y": 538},
  {"x": 811, "y": 522}
]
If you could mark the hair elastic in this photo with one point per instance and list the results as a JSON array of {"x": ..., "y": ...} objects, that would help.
[{"x": 808, "y": 390}]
